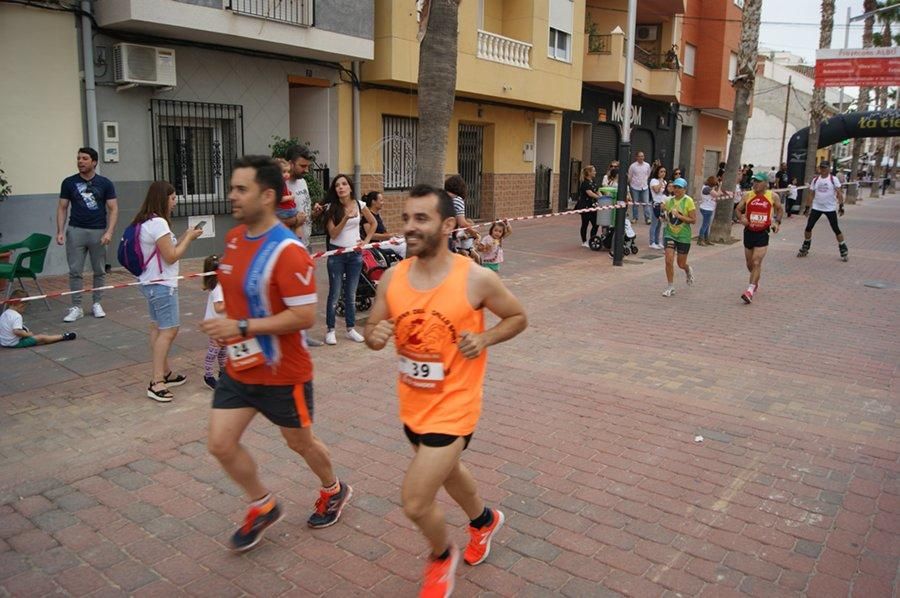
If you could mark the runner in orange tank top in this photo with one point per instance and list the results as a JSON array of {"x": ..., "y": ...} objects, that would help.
[{"x": 432, "y": 304}]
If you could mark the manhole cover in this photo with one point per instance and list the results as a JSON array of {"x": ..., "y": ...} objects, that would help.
[{"x": 879, "y": 284}]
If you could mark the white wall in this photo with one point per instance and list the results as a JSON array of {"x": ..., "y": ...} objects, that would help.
[
  {"x": 314, "y": 119},
  {"x": 763, "y": 140}
]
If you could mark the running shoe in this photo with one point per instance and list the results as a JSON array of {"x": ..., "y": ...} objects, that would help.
[
  {"x": 329, "y": 507},
  {"x": 210, "y": 382},
  {"x": 74, "y": 313},
  {"x": 747, "y": 296},
  {"x": 354, "y": 336},
  {"x": 330, "y": 338},
  {"x": 479, "y": 546},
  {"x": 690, "y": 276},
  {"x": 258, "y": 520},
  {"x": 69, "y": 336},
  {"x": 440, "y": 576},
  {"x": 97, "y": 311},
  {"x": 669, "y": 292}
]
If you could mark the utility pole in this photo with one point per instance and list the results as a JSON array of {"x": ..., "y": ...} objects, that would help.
[
  {"x": 625, "y": 143},
  {"x": 787, "y": 99}
]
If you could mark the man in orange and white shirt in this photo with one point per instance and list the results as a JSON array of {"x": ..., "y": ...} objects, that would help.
[
  {"x": 432, "y": 305},
  {"x": 268, "y": 281}
]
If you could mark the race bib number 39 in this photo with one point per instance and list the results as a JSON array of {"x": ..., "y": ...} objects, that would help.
[
  {"x": 424, "y": 372},
  {"x": 245, "y": 354}
]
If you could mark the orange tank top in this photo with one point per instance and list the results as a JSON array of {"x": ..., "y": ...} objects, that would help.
[{"x": 440, "y": 390}]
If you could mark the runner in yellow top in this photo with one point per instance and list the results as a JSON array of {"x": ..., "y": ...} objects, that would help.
[{"x": 432, "y": 304}]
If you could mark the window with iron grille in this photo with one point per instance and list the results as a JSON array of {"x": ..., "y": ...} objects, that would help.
[
  {"x": 399, "y": 151},
  {"x": 195, "y": 145}
]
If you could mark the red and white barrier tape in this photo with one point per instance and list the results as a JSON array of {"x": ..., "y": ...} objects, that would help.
[{"x": 339, "y": 251}]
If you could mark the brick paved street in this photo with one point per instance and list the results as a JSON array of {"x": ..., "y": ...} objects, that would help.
[{"x": 587, "y": 442}]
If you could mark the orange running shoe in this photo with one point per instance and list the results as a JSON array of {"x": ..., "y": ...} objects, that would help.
[
  {"x": 440, "y": 576},
  {"x": 480, "y": 539}
]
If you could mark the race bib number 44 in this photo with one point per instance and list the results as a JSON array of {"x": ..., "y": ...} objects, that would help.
[
  {"x": 245, "y": 354},
  {"x": 422, "y": 371}
]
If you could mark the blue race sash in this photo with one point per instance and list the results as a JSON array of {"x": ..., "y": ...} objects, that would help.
[{"x": 256, "y": 284}]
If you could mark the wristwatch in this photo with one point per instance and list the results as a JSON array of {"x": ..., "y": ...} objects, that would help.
[{"x": 242, "y": 327}]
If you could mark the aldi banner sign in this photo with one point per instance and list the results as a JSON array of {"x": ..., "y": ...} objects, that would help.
[{"x": 858, "y": 67}]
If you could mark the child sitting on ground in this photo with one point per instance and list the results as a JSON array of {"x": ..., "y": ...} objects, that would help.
[
  {"x": 215, "y": 308},
  {"x": 491, "y": 245},
  {"x": 287, "y": 210},
  {"x": 14, "y": 333}
]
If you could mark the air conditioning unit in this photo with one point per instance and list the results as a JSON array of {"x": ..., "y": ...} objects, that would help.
[
  {"x": 144, "y": 65},
  {"x": 646, "y": 33}
]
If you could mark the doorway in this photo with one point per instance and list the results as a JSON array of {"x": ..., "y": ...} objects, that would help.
[
  {"x": 469, "y": 162},
  {"x": 544, "y": 146}
]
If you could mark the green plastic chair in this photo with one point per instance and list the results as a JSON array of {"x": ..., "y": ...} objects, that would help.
[{"x": 35, "y": 253}]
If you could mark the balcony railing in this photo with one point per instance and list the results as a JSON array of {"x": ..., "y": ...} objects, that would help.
[
  {"x": 294, "y": 12},
  {"x": 504, "y": 50},
  {"x": 657, "y": 61},
  {"x": 599, "y": 43}
]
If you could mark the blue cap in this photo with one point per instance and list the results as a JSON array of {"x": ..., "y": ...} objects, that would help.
[{"x": 680, "y": 182}]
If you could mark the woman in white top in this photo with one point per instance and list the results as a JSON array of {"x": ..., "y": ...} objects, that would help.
[
  {"x": 708, "y": 196},
  {"x": 342, "y": 220},
  {"x": 659, "y": 195},
  {"x": 161, "y": 252}
]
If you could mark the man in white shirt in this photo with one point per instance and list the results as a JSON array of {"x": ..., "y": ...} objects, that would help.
[
  {"x": 826, "y": 194},
  {"x": 638, "y": 181},
  {"x": 300, "y": 157}
]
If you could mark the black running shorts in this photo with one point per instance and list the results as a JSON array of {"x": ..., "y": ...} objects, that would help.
[
  {"x": 678, "y": 246},
  {"x": 286, "y": 406},
  {"x": 434, "y": 440},
  {"x": 754, "y": 239}
]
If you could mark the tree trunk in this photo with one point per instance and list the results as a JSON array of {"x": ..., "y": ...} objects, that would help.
[
  {"x": 817, "y": 104},
  {"x": 882, "y": 95},
  {"x": 743, "y": 92},
  {"x": 862, "y": 104},
  {"x": 437, "y": 89}
]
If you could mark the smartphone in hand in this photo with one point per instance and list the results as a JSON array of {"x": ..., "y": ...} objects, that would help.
[{"x": 200, "y": 225}]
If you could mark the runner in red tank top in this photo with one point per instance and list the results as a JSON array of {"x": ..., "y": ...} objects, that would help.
[
  {"x": 268, "y": 280},
  {"x": 432, "y": 304},
  {"x": 756, "y": 213}
]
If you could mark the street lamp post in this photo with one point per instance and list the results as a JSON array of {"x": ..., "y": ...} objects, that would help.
[{"x": 625, "y": 143}]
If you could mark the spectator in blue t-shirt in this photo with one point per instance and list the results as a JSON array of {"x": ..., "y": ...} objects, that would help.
[{"x": 91, "y": 223}]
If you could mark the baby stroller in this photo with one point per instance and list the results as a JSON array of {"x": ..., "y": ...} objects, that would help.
[
  {"x": 375, "y": 262},
  {"x": 606, "y": 219}
]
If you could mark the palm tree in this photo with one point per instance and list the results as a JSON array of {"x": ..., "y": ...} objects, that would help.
[
  {"x": 743, "y": 92},
  {"x": 863, "y": 102},
  {"x": 882, "y": 39},
  {"x": 437, "y": 87},
  {"x": 817, "y": 104}
]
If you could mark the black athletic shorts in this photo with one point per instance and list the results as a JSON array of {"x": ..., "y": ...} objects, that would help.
[
  {"x": 678, "y": 246},
  {"x": 434, "y": 440},
  {"x": 286, "y": 406},
  {"x": 754, "y": 238}
]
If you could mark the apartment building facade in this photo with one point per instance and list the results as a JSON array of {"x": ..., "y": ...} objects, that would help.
[
  {"x": 711, "y": 35},
  {"x": 591, "y": 135},
  {"x": 183, "y": 87},
  {"x": 519, "y": 66}
]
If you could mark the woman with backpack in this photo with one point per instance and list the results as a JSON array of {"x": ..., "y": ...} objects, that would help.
[{"x": 159, "y": 251}]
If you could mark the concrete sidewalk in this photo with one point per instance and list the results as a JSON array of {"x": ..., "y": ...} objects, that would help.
[{"x": 588, "y": 440}]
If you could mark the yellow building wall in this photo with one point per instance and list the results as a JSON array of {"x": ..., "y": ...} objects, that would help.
[
  {"x": 507, "y": 130},
  {"x": 548, "y": 83},
  {"x": 40, "y": 107}
]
